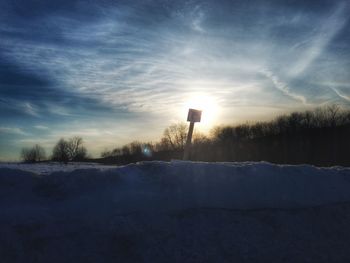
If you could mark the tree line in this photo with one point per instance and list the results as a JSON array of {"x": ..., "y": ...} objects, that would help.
[
  {"x": 319, "y": 137},
  {"x": 72, "y": 149}
]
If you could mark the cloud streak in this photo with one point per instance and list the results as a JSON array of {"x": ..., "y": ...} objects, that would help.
[
  {"x": 317, "y": 42},
  {"x": 12, "y": 131},
  {"x": 280, "y": 85},
  {"x": 341, "y": 95}
]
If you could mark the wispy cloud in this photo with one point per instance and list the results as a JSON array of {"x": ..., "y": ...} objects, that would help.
[
  {"x": 30, "y": 109},
  {"x": 198, "y": 17},
  {"x": 41, "y": 127},
  {"x": 282, "y": 86},
  {"x": 316, "y": 43},
  {"x": 340, "y": 94},
  {"x": 12, "y": 131}
]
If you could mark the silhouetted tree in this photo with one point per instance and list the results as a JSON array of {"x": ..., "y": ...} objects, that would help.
[
  {"x": 125, "y": 150},
  {"x": 135, "y": 148},
  {"x": 223, "y": 133},
  {"x": 116, "y": 152},
  {"x": 71, "y": 150},
  {"x": 106, "y": 153},
  {"x": 113, "y": 153},
  {"x": 333, "y": 115},
  {"x": 60, "y": 151},
  {"x": 76, "y": 150},
  {"x": 34, "y": 154},
  {"x": 174, "y": 137}
]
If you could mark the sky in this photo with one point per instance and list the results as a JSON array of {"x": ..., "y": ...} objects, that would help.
[{"x": 117, "y": 71}]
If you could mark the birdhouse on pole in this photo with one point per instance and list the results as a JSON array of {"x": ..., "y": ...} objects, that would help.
[{"x": 192, "y": 117}]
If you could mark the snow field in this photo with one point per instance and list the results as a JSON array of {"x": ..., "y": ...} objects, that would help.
[{"x": 176, "y": 212}]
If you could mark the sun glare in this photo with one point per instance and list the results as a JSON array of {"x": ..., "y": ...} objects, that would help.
[{"x": 207, "y": 104}]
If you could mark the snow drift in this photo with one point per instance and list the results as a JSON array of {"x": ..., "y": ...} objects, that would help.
[{"x": 176, "y": 212}]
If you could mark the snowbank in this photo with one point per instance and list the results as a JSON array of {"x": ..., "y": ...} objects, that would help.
[
  {"x": 176, "y": 212},
  {"x": 178, "y": 184},
  {"x": 50, "y": 167}
]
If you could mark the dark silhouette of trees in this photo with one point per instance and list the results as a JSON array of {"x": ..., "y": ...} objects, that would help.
[
  {"x": 34, "y": 154},
  {"x": 71, "y": 150},
  {"x": 132, "y": 152},
  {"x": 319, "y": 137},
  {"x": 76, "y": 149},
  {"x": 174, "y": 137},
  {"x": 60, "y": 152}
]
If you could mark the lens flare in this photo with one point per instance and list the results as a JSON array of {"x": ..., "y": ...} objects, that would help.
[{"x": 146, "y": 151}]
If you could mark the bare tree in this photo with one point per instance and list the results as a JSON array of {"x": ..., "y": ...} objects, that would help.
[
  {"x": 60, "y": 151},
  {"x": 34, "y": 154},
  {"x": 333, "y": 114},
  {"x": 116, "y": 152},
  {"x": 113, "y": 153},
  {"x": 135, "y": 147},
  {"x": 106, "y": 153},
  {"x": 76, "y": 150},
  {"x": 308, "y": 119},
  {"x": 125, "y": 150},
  {"x": 175, "y": 136},
  {"x": 199, "y": 138},
  {"x": 223, "y": 133}
]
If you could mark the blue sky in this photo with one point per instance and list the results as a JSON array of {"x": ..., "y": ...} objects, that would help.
[{"x": 116, "y": 71}]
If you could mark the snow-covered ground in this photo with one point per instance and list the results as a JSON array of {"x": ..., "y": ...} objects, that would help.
[
  {"x": 175, "y": 212},
  {"x": 50, "y": 167}
]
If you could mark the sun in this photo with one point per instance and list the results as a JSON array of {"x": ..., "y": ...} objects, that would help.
[{"x": 207, "y": 104}]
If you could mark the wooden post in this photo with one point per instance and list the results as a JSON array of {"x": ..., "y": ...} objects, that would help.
[
  {"x": 192, "y": 117},
  {"x": 188, "y": 142}
]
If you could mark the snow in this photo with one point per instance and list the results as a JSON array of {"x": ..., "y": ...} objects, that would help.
[
  {"x": 174, "y": 212},
  {"x": 50, "y": 167}
]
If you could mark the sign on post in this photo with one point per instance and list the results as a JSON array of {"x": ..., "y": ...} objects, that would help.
[{"x": 193, "y": 116}]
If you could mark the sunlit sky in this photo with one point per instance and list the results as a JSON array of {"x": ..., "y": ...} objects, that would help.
[{"x": 117, "y": 71}]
